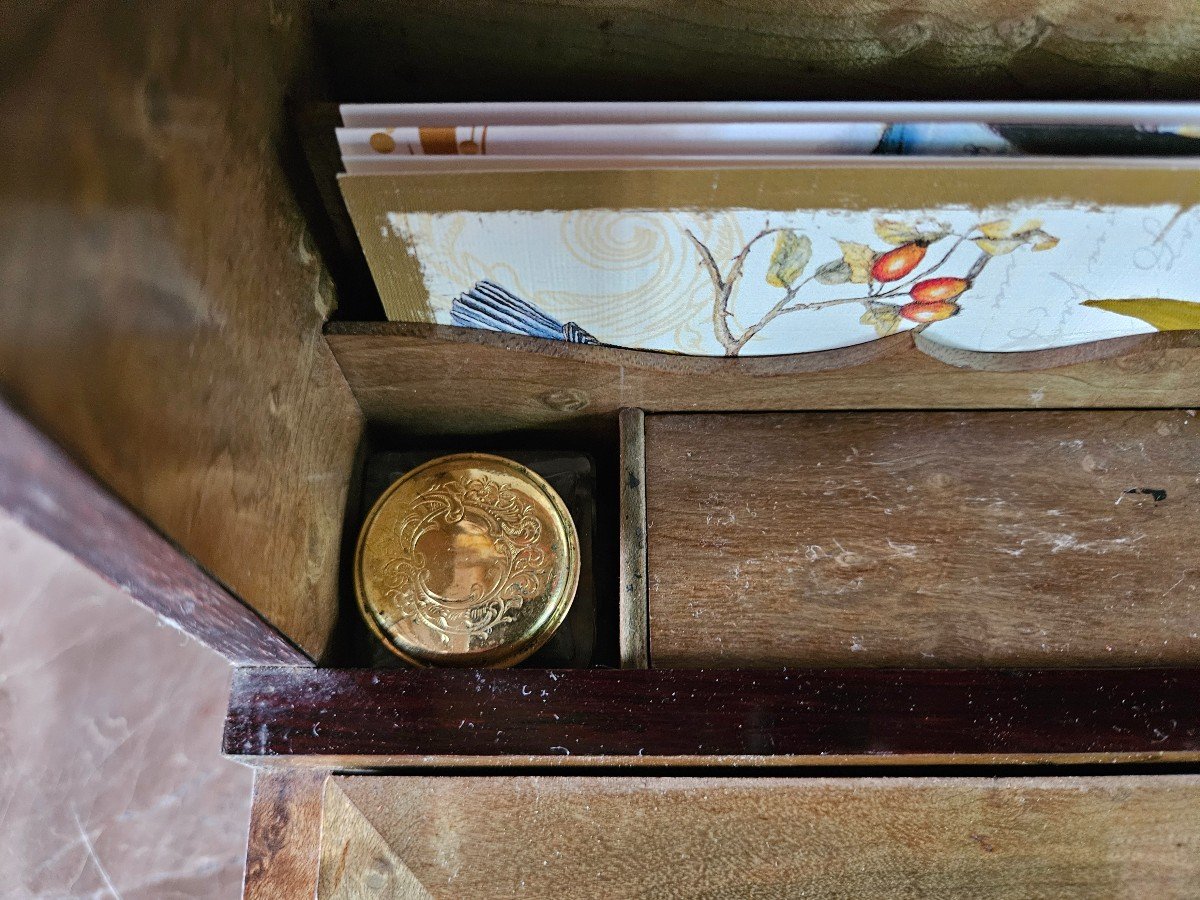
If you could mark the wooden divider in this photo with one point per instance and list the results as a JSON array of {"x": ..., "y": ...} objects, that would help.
[{"x": 446, "y": 380}]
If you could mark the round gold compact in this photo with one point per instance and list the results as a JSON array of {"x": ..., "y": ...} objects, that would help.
[{"x": 467, "y": 560}]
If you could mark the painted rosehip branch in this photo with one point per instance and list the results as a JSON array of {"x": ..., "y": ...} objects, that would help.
[
  {"x": 723, "y": 290},
  {"x": 896, "y": 289}
]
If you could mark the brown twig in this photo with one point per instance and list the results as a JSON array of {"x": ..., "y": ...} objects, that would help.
[
  {"x": 721, "y": 290},
  {"x": 776, "y": 310},
  {"x": 735, "y": 271}
]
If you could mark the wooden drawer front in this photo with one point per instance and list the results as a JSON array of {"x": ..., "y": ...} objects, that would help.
[
  {"x": 554, "y": 837},
  {"x": 923, "y": 539}
]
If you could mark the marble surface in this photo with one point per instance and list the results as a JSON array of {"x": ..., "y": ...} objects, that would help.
[{"x": 111, "y": 782}]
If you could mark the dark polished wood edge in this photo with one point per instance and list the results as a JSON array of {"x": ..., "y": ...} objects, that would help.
[
  {"x": 892, "y": 346},
  {"x": 41, "y": 487},
  {"x": 633, "y": 574},
  {"x": 359, "y": 718}
]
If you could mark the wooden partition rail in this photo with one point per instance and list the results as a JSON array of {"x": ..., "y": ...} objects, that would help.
[
  {"x": 372, "y": 718},
  {"x": 400, "y": 375},
  {"x": 634, "y": 623}
]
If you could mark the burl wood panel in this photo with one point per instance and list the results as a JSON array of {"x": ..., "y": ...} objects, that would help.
[
  {"x": 283, "y": 849},
  {"x": 162, "y": 299},
  {"x": 554, "y": 837},
  {"x": 924, "y": 539},
  {"x": 762, "y": 49},
  {"x": 364, "y": 718},
  {"x": 461, "y": 380}
]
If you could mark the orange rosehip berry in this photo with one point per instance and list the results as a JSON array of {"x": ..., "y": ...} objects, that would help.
[
  {"x": 924, "y": 313},
  {"x": 936, "y": 290},
  {"x": 895, "y": 264}
]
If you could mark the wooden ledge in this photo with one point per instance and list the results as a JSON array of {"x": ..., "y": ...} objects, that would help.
[
  {"x": 902, "y": 344},
  {"x": 364, "y": 718},
  {"x": 445, "y": 380}
]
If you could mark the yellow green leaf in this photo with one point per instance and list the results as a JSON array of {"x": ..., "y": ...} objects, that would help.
[
  {"x": 1031, "y": 233},
  {"x": 897, "y": 233},
  {"x": 1165, "y": 315},
  {"x": 1001, "y": 228},
  {"x": 998, "y": 246},
  {"x": 885, "y": 319},
  {"x": 791, "y": 254},
  {"x": 833, "y": 272},
  {"x": 859, "y": 257},
  {"x": 1000, "y": 237}
]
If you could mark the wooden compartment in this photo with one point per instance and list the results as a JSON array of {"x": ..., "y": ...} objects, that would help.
[
  {"x": 193, "y": 355},
  {"x": 169, "y": 336},
  {"x": 923, "y": 539}
]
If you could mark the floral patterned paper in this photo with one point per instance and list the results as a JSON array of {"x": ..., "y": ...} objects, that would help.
[{"x": 754, "y": 282}]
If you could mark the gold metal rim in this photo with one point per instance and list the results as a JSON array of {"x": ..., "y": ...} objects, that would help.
[{"x": 504, "y": 654}]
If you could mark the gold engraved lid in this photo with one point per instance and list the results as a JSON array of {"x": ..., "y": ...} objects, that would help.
[{"x": 467, "y": 560}]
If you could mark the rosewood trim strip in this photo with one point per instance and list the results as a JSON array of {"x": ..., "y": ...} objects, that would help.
[{"x": 362, "y": 718}]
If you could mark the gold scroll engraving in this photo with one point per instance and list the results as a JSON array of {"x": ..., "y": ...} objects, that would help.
[{"x": 465, "y": 558}]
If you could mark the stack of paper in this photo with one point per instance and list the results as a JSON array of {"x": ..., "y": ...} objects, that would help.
[{"x": 767, "y": 228}]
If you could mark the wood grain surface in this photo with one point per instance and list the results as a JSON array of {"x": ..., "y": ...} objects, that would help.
[
  {"x": 357, "y": 862},
  {"x": 581, "y": 837},
  {"x": 459, "y": 380},
  {"x": 283, "y": 850},
  {"x": 364, "y": 718},
  {"x": 46, "y": 492},
  {"x": 924, "y": 539},
  {"x": 761, "y": 49},
  {"x": 162, "y": 298}
]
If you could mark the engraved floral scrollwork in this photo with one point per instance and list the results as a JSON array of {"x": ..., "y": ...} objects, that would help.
[{"x": 512, "y": 569}]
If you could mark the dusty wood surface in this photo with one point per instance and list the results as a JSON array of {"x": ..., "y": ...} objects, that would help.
[
  {"x": 924, "y": 539},
  {"x": 633, "y": 625},
  {"x": 362, "y": 718},
  {"x": 283, "y": 851},
  {"x": 162, "y": 299},
  {"x": 763, "y": 49},
  {"x": 45, "y": 491},
  {"x": 401, "y": 374},
  {"x": 356, "y": 860},
  {"x": 553, "y": 837}
]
